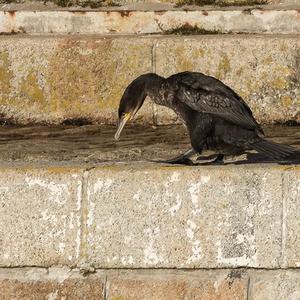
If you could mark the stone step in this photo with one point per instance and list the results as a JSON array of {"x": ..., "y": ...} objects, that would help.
[
  {"x": 59, "y": 205},
  {"x": 61, "y": 283},
  {"x": 143, "y": 215},
  {"x": 51, "y": 79},
  {"x": 275, "y": 20}
]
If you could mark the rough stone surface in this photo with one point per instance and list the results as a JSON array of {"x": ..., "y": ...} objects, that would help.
[
  {"x": 264, "y": 71},
  {"x": 291, "y": 219},
  {"x": 40, "y": 221},
  {"x": 35, "y": 284},
  {"x": 49, "y": 80},
  {"x": 185, "y": 218},
  {"x": 177, "y": 285},
  {"x": 203, "y": 21},
  {"x": 279, "y": 285},
  {"x": 52, "y": 79}
]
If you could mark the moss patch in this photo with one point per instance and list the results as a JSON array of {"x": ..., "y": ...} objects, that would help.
[
  {"x": 87, "y": 3},
  {"x": 188, "y": 29},
  {"x": 5, "y": 73},
  {"x": 69, "y": 3},
  {"x": 31, "y": 89},
  {"x": 224, "y": 67},
  {"x": 221, "y": 2}
]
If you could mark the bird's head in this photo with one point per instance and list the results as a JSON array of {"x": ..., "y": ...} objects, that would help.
[{"x": 131, "y": 101}]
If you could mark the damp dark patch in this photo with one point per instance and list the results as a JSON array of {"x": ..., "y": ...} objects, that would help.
[
  {"x": 125, "y": 13},
  {"x": 4, "y": 121},
  {"x": 289, "y": 123},
  {"x": 247, "y": 11},
  {"x": 188, "y": 29},
  {"x": 76, "y": 122},
  {"x": 243, "y": 3},
  {"x": 233, "y": 275},
  {"x": 84, "y": 4},
  {"x": 10, "y": 33},
  {"x": 195, "y": 2}
]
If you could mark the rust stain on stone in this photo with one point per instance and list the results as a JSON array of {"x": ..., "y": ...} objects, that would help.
[
  {"x": 12, "y": 13},
  {"x": 205, "y": 13},
  {"x": 126, "y": 13}
]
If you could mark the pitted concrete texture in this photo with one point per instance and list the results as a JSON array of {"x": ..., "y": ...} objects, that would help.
[
  {"x": 220, "y": 284},
  {"x": 189, "y": 218},
  {"x": 291, "y": 216},
  {"x": 53, "y": 283},
  {"x": 52, "y": 79},
  {"x": 40, "y": 221},
  {"x": 59, "y": 283},
  {"x": 172, "y": 285},
  {"x": 249, "y": 20},
  {"x": 147, "y": 216},
  {"x": 279, "y": 285}
]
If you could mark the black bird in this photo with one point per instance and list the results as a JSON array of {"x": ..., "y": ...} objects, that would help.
[{"x": 216, "y": 117}]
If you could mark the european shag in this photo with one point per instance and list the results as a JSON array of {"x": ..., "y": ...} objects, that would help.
[{"x": 215, "y": 116}]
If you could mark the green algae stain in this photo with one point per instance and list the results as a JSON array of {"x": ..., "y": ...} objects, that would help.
[
  {"x": 87, "y": 78},
  {"x": 224, "y": 67},
  {"x": 5, "y": 73},
  {"x": 279, "y": 84},
  {"x": 183, "y": 61},
  {"x": 286, "y": 101},
  {"x": 31, "y": 89}
]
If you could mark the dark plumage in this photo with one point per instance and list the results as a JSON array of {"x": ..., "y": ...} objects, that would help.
[{"x": 216, "y": 117}]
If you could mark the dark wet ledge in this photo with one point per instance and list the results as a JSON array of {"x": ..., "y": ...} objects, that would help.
[{"x": 94, "y": 144}]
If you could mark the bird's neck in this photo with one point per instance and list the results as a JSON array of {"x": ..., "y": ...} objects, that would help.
[{"x": 153, "y": 83}]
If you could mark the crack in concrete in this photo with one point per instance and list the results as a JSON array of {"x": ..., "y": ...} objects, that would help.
[
  {"x": 283, "y": 221},
  {"x": 84, "y": 212}
]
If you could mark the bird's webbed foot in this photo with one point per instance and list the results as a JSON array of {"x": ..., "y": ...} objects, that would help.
[
  {"x": 182, "y": 159},
  {"x": 218, "y": 160}
]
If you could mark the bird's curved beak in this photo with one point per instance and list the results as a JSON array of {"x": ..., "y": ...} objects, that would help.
[{"x": 122, "y": 122}]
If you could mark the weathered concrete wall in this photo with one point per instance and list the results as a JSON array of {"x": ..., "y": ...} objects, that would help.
[
  {"x": 63, "y": 283},
  {"x": 50, "y": 79},
  {"x": 149, "y": 216},
  {"x": 276, "y": 20}
]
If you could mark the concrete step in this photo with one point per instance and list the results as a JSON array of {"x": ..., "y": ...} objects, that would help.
[
  {"x": 50, "y": 79},
  {"x": 143, "y": 215},
  {"x": 275, "y": 20},
  {"x": 57, "y": 208},
  {"x": 61, "y": 283}
]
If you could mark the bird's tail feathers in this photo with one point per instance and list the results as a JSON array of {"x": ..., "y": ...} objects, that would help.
[{"x": 276, "y": 151}]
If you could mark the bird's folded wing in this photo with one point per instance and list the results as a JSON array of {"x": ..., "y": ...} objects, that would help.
[{"x": 209, "y": 95}]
